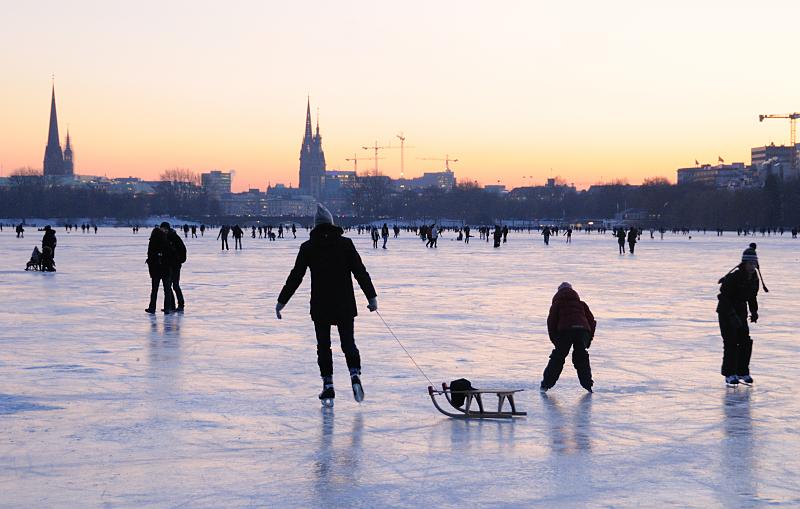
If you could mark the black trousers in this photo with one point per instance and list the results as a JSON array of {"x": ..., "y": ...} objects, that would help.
[
  {"x": 324, "y": 355},
  {"x": 737, "y": 346},
  {"x": 176, "y": 285},
  {"x": 578, "y": 340},
  {"x": 169, "y": 301}
]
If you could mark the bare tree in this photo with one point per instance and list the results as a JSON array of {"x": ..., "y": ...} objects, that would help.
[
  {"x": 180, "y": 176},
  {"x": 26, "y": 171},
  {"x": 656, "y": 181}
]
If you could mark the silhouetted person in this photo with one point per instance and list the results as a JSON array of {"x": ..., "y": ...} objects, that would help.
[
  {"x": 223, "y": 234},
  {"x": 49, "y": 240},
  {"x": 237, "y": 236},
  {"x": 178, "y": 249},
  {"x": 159, "y": 262},
  {"x": 546, "y": 233},
  {"x": 738, "y": 291},
  {"x": 621, "y": 240},
  {"x": 632, "y": 238},
  {"x": 570, "y": 324},
  {"x": 332, "y": 259}
]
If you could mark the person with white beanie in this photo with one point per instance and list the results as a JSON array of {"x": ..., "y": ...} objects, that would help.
[{"x": 332, "y": 259}]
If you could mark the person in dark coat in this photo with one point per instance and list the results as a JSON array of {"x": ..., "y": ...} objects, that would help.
[
  {"x": 738, "y": 291},
  {"x": 178, "y": 249},
  {"x": 620, "y": 234},
  {"x": 159, "y": 260},
  {"x": 546, "y": 232},
  {"x": 332, "y": 259},
  {"x": 223, "y": 234},
  {"x": 49, "y": 240},
  {"x": 570, "y": 324},
  {"x": 632, "y": 238}
]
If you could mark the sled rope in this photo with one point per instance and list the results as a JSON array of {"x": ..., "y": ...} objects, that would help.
[{"x": 404, "y": 348}]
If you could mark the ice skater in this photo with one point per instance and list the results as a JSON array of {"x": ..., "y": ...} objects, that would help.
[
  {"x": 632, "y": 238},
  {"x": 331, "y": 258},
  {"x": 620, "y": 234},
  {"x": 737, "y": 292},
  {"x": 159, "y": 261},
  {"x": 570, "y": 324},
  {"x": 237, "y": 236},
  {"x": 546, "y": 233},
  {"x": 49, "y": 240},
  {"x": 385, "y": 234},
  {"x": 223, "y": 234},
  {"x": 179, "y": 251}
]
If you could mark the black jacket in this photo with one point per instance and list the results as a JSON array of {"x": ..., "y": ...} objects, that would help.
[
  {"x": 738, "y": 290},
  {"x": 49, "y": 239},
  {"x": 331, "y": 258},
  {"x": 159, "y": 255},
  {"x": 178, "y": 248}
]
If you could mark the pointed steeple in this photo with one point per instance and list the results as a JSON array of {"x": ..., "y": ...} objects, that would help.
[
  {"x": 308, "y": 120},
  {"x": 317, "y": 135},
  {"x": 52, "y": 135},
  {"x": 53, "y": 158},
  {"x": 68, "y": 165}
]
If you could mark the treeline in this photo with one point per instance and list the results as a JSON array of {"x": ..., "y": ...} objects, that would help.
[
  {"x": 33, "y": 197},
  {"x": 693, "y": 206}
]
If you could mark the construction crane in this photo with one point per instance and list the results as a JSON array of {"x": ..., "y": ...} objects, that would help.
[
  {"x": 354, "y": 160},
  {"x": 792, "y": 132},
  {"x": 402, "y": 153},
  {"x": 376, "y": 147},
  {"x": 447, "y": 160}
]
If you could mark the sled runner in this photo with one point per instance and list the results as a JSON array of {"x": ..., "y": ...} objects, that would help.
[{"x": 471, "y": 396}]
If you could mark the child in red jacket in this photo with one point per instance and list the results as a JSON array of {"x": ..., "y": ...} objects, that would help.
[{"x": 570, "y": 324}]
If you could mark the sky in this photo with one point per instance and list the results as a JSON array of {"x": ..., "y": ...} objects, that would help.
[{"x": 516, "y": 91}]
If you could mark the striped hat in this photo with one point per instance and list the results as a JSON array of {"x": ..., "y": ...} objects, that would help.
[{"x": 749, "y": 254}]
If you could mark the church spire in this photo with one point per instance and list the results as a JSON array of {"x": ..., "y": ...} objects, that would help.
[
  {"x": 53, "y": 158},
  {"x": 308, "y": 119},
  {"x": 52, "y": 135},
  {"x": 317, "y": 135}
]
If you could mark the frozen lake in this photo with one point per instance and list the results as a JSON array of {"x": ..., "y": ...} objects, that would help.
[{"x": 102, "y": 405}]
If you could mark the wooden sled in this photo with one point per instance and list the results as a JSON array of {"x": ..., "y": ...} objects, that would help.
[{"x": 475, "y": 395}]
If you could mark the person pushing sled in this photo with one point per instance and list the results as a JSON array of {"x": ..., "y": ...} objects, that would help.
[{"x": 332, "y": 258}]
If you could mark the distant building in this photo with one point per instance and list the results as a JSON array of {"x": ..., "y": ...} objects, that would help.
[
  {"x": 720, "y": 176},
  {"x": 312, "y": 159},
  {"x": 777, "y": 158},
  {"x": 216, "y": 183},
  {"x": 440, "y": 179},
  {"x": 56, "y": 162},
  {"x": 250, "y": 203},
  {"x": 495, "y": 188}
]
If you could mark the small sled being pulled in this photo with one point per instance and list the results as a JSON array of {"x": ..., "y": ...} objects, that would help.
[{"x": 470, "y": 395}]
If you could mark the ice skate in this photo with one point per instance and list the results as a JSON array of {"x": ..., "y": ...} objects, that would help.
[
  {"x": 358, "y": 390},
  {"x": 745, "y": 379},
  {"x": 327, "y": 396},
  {"x": 731, "y": 380}
]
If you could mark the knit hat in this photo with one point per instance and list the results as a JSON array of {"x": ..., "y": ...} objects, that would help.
[
  {"x": 749, "y": 254},
  {"x": 165, "y": 225},
  {"x": 323, "y": 215},
  {"x": 564, "y": 285}
]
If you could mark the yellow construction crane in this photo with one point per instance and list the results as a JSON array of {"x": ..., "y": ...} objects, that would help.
[
  {"x": 447, "y": 160},
  {"x": 376, "y": 147},
  {"x": 792, "y": 132},
  {"x": 402, "y": 139},
  {"x": 354, "y": 160}
]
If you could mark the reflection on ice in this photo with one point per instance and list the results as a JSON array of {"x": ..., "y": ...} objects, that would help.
[{"x": 103, "y": 404}]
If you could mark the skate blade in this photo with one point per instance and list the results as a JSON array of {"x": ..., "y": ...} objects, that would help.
[
  {"x": 327, "y": 402},
  {"x": 358, "y": 393}
]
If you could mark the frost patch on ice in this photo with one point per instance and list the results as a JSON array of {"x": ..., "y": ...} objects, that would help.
[
  {"x": 10, "y": 404},
  {"x": 66, "y": 368}
]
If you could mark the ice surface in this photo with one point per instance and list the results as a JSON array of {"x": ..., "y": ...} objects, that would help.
[{"x": 102, "y": 405}]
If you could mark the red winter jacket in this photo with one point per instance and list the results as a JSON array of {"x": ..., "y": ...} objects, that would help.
[{"x": 568, "y": 311}]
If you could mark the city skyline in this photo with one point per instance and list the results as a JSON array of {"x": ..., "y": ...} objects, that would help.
[{"x": 534, "y": 91}]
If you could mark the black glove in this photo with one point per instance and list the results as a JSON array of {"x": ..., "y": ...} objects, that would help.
[{"x": 754, "y": 317}]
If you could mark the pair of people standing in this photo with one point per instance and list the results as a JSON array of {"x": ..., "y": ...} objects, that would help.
[{"x": 166, "y": 253}]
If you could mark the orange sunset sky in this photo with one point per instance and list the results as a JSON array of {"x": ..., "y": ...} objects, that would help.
[{"x": 586, "y": 90}]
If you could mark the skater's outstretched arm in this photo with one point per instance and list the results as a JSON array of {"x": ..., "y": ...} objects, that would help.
[
  {"x": 360, "y": 272},
  {"x": 295, "y": 276}
]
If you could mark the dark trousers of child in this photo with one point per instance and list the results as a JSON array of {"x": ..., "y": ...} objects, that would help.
[
  {"x": 737, "y": 347},
  {"x": 324, "y": 355},
  {"x": 578, "y": 340}
]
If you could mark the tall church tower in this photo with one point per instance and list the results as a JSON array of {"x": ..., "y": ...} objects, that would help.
[
  {"x": 69, "y": 164},
  {"x": 312, "y": 159},
  {"x": 53, "y": 158}
]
